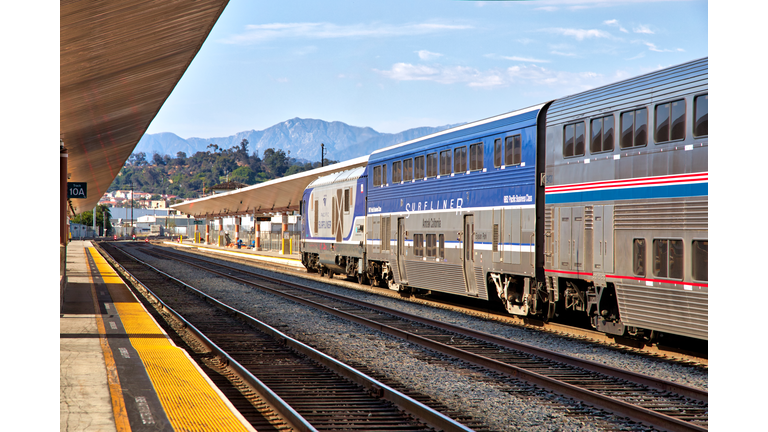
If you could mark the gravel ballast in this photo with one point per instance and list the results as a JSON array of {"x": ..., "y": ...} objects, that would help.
[{"x": 503, "y": 407}]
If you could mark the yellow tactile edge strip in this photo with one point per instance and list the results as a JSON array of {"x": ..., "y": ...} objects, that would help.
[
  {"x": 113, "y": 381},
  {"x": 190, "y": 400}
]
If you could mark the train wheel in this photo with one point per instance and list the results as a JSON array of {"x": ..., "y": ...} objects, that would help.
[
  {"x": 329, "y": 274},
  {"x": 362, "y": 279}
]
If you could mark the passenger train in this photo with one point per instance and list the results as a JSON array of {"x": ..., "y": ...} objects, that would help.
[{"x": 592, "y": 204}]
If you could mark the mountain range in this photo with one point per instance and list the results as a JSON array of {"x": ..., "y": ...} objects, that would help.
[{"x": 302, "y": 137}]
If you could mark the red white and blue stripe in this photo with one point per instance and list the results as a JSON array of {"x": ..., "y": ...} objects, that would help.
[{"x": 669, "y": 186}]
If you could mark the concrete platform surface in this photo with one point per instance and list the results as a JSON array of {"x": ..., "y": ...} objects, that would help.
[{"x": 119, "y": 371}]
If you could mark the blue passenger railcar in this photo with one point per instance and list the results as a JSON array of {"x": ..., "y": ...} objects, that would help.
[{"x": 455, "y": 211}]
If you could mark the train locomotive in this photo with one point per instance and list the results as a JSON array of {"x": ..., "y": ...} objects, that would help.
[{"x": 592, "y": 204}]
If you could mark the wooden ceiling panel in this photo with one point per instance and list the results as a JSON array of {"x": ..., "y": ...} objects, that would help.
[{"x": 119, "y": 62}]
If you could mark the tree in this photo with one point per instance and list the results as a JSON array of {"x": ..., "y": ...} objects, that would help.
[
  {"x": 242, "y": 174},
  {"x": 86, "y": 218},
  {"x": 157, "y": 159},
  {"x": 276, "y": 162},
  {"x": 138, "y": 159}
]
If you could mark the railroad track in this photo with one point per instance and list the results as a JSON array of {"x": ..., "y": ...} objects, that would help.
[
  {"x": 296, "y": 386},
  {"x": 651, "y": 401},
  {"x": 690, "y": 355}
]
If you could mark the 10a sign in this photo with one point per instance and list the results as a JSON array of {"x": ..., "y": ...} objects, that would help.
[{"x": 77, "y": 190}]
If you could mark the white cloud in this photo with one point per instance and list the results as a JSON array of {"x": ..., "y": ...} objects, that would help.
[
  {"x": 428, "y": 55},
  {"x": 580, "y": 34},
  {"x": 528, "y": 75},
  {"x": 516, "y": 58},
  {"x": 642, "y": 29},
  {"x": 653, "y": 47},
  {"x": 615, "y": 23},
  {"x": 257, "y": 33},
  {"x": 564, "y": 54}
]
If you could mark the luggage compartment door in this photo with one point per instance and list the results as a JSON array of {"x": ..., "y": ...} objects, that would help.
[{"x": 602, "y": 245}]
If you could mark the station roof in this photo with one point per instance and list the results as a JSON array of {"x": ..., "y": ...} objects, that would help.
[
  {"x": 119, "y": 62},
  {"x": 279, "y": 195}
]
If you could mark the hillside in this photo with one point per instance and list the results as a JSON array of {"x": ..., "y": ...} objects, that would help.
[{"x": 300, "y": 137}]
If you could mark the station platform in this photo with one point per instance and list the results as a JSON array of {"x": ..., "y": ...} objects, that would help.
[
  {"x": 119, "y": 371},
  {"x": 293, "y": 260}
]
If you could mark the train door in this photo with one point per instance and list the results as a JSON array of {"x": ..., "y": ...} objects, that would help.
[
  {"x": 602, "y": 246},
  {"x": 571, "y": 238},
  {"x": 401, "y": 249},
  {"x": 469, "y": 254}
]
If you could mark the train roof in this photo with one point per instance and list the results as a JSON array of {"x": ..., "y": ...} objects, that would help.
[
  {"x": 339, "y": 177},
  {"x": 659, "y": 85},
  {"x": 458, "y": 133},
  {"x": 278, "y": 195}
]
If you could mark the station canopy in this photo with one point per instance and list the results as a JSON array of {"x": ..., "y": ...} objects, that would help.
[
  {"x": 119, "y": 62},
  {"x": 275, "y": 196}
]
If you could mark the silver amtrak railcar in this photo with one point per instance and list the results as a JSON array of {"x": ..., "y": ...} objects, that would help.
[{"x": 626, "y": 202}]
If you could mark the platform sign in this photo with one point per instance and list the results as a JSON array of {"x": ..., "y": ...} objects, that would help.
[
  {"x": 77, "y": 190},
  {"x": 199, "y": 222},
  {"x": 263, "y": 218}
]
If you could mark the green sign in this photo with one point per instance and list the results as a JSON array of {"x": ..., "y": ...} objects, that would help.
[
  {"x": 77, "y": 190},
  {"x": 198, "y": 221}
]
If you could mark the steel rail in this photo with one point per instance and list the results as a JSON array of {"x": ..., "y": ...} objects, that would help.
[
  {"x": 277, "y": 404},
  {"x": 422, "y": 412},
  {"x": 527, "y": 322},
  {"x": 634, "y": 412}
]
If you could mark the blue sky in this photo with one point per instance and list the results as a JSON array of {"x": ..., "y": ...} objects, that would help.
[{"x": 395, "y": 65}]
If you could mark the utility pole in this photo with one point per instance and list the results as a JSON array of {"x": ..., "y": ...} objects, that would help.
[
  {"x": 322, "y": 155},
  {"x": 131, "y": 206}
]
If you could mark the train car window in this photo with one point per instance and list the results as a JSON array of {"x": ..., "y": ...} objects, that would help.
[
  {"x": 377, "y": 176},
  {"x": 700, "y": 111},
  {"x": 418, "y": 245},
  {"x": 432, "y": 165},
  {"x": 431, "y": 245},
  {"x": 346, "y": 200},
  {"x": 384, "y": 178},
  {"x": 497, "y": 152},
  {"x": 441, "y": 248},
  {"x": 476, "y": 157},
  {"x": 418, "y": 162},
  {"x": 670, "y": 121},
  {"x": 397, "y": 172},
  {"x": 700, "y": 258},
  {"x": 460, "y": 159},
  {"x": 638, "y": 257},
  {"x": 602, "y": 134},
  {"x": 668, "y": 258},
  {"x": 408, "y": 170},
  {"x": 634, "y": 128},
  {"x": 513, "y": 150},
  {"x": 573, "y": 140},
  {"x": 445, "y": 162}
]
